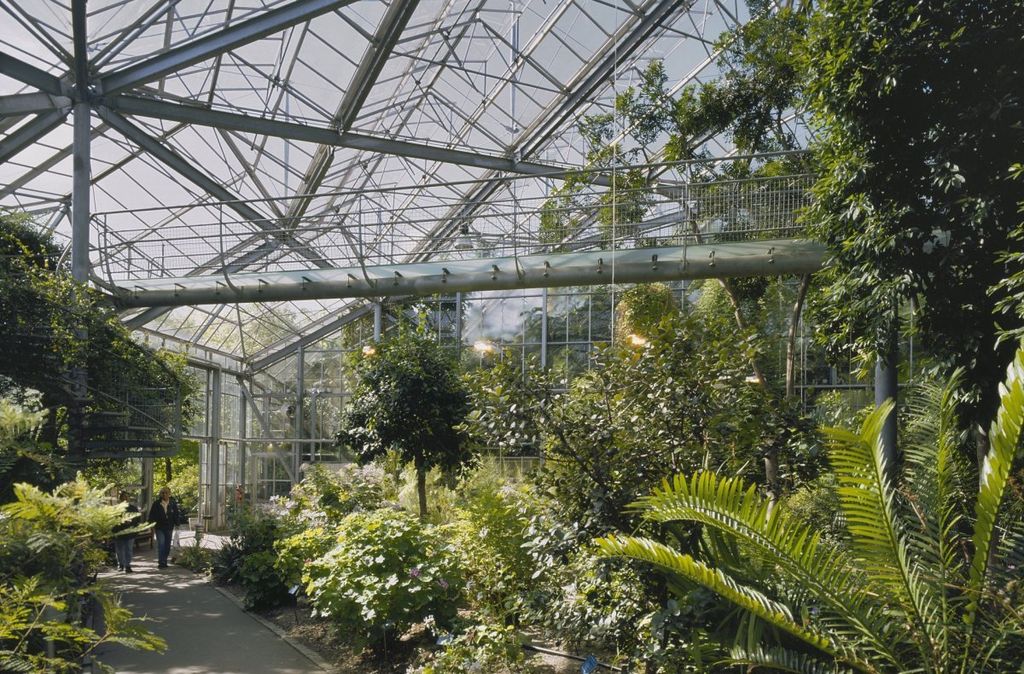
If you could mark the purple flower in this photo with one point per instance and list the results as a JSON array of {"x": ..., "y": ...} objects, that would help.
[
  {"x": 443, "y": 583},
  {"x": 414, "y": 572}
]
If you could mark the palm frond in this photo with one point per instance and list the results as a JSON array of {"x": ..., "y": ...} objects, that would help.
[
  {"x": 826, "y": 573},
  {"x": 1004, "y": 437},
  {"x": 878, "y": 535},
  {"x": 672, "y": 561}
]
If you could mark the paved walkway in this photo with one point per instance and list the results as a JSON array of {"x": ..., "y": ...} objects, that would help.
[{"x": 206, "y": 632}]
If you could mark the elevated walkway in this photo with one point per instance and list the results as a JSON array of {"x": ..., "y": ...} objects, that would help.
[{"x": 765, "y": 257}]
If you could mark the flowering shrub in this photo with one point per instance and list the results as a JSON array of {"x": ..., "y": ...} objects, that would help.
[
  {"x": 387, "y": 572},
  {"x": 490, "y": 533},
  {"x": 326, "y": 497}
]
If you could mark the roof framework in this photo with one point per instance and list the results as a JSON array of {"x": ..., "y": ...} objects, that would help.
[{"x": 273, "y": 117}]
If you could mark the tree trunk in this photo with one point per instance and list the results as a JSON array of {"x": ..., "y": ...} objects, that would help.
[
  {"x": 167, "y": 469},
  {"x": 421, "y": 489},
  {"x": 741, "y": 323}
]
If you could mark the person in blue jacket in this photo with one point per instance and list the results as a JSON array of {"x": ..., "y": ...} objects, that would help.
[{"x": 164, "y": 516}]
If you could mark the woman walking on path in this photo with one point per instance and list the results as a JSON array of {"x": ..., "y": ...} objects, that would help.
[
  {"x": 124, "y": 543},
  {"x": 164, "y": 515}
]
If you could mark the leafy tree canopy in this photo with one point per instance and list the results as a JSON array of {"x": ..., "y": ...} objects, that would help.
[
  {"x": 920, "y": 117},
  {"x": 410, "y": 400}
]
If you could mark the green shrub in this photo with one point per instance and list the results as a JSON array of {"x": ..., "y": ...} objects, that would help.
[
  {"x": 264, "y": 588},
  {"x": 251, "y": 532},
  {"x": 490, "y": 534},
  {"x": 195, "y": 557},
  {"x": 386, "y": 573},
  {"x": 248, "y": 559},
  {"x": 494, "y": 649},
  {"x": 294, "y": 552},
  {"x": 49, "y": 556}
]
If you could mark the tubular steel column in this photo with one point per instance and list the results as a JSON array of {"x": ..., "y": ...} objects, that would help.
[
  {"x": 544, "y": 329},
  {"x": 300, "y": 385},
  {"x": 243, "y": 433},
  {"x": 378, "y": 311},
  {"x": 886, "y": 388},
  {"x": 213, "y": 495}
]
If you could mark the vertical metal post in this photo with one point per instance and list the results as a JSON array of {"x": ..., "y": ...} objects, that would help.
[
  {"x": 300, "y": 385},
  {"x": 243, "y": 433},
  {"x": 81, "y": 148},
  {"x": 81, "y": 162},
  {"x": 544, "y": 329},
  {"x": 147, "y": 483},
  {"x": 215, "y": 501},
  {"x": 886, "y": 388},
  {"x": 378, "y": 313},
  {"x": 458, "y": 325}
]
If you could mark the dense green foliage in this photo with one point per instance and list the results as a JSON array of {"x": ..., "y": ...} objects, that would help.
[
  {"x": 920, "y": 118},
  {"x": 928, "y": 582},
  {"x": 54, "y": 327}
]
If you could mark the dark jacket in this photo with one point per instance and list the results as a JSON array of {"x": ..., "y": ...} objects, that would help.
[
  {"x": 132, "y": 509},
  {"x": 164, "y": 519}
]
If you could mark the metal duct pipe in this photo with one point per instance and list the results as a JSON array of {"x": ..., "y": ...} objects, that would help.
[{"x": 717, "y": 260}]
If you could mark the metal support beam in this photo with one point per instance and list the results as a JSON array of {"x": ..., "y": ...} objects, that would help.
[
  {"x": 80, "y": 211},
  {"x": 216, "y": 43},
  {"x": 378, "y": 314},
  {"x": 29, "y": 133},
  {"x": 32, "y": 103},
  {"x": 376, "y": 55},
  {"x": 80, "y": 39},
  {"x": 281, "y": 350},
  {"x": 30, "y": 75},
  {"x": 188, "y": 114},
  {"x": 755, "y": 258},
  {"x": 544, "y": 329},
  {"x": 188, "y": 170},
  {"x": 243, "y": 433},
  {"x": 300, "y": 392},
  {"x": 80, "y": 185}
]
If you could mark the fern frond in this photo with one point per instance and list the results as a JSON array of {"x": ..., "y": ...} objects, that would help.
[
  {"x": 672, "y": 561},
  {"x": 937, "y": 476},
  {"x": 877, "y": 533}
]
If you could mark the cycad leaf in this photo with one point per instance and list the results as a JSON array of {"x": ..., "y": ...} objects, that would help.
[
  {"x": 1004, "y": 439},
  {"x": 685, "y": 566},
  {"x": 826, "y": 573},
  {"x": 877, "y": 533},
  {"x": 940, "y": 481},
  {"x": 782, "y": 660}
]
